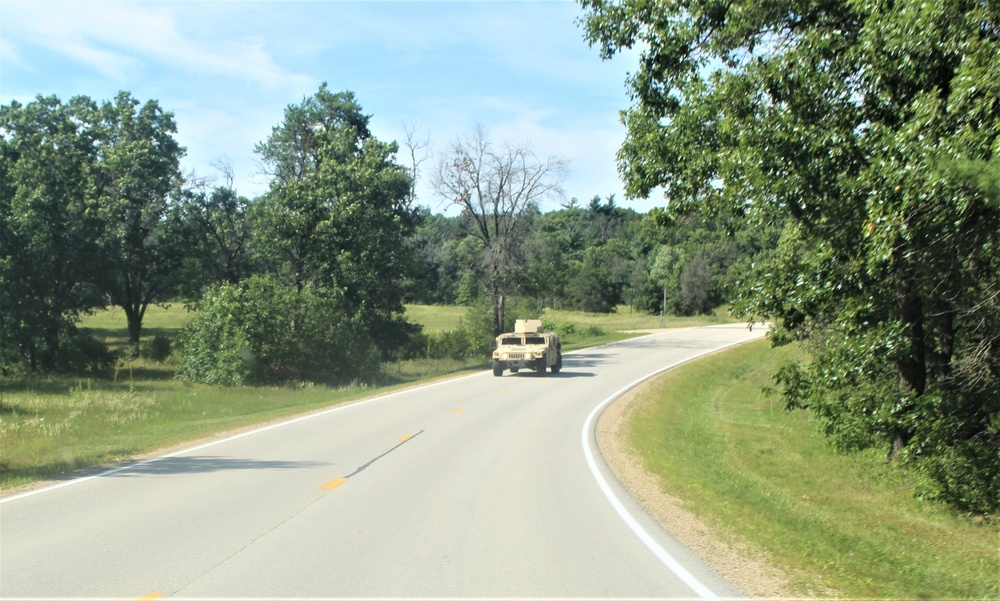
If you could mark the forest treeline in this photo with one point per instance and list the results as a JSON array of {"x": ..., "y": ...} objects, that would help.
[{"x": 309, "y": 280}]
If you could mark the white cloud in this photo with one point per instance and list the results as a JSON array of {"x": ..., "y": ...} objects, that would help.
[{"x": 117, "y": 38}]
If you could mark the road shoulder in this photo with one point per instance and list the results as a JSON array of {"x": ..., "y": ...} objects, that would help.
[{"x": 743, "y": 567}]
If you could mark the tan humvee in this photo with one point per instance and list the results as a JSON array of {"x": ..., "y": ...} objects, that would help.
[{"x": 527, "y": 347}]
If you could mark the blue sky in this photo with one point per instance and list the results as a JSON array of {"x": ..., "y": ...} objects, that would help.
[{"x": 228, "y": 69}]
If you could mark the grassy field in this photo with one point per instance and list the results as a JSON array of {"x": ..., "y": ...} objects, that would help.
[
  {"x": 437, "y": 318},
  {"x": 849, "y": 523},
  {"x": 624, "y": 320}
]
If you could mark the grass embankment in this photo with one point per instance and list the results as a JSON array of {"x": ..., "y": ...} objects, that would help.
[{"x": 847, "y": 523}]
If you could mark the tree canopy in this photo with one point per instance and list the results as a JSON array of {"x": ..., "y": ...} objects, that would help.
[
  {"x": 862, "y": 129},
  {"x": 85, "y": 206},
  {"x": 338, "y": 212}
]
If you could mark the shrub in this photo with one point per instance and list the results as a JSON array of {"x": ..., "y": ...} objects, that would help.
[
  {"x": 450, "y": 344},
  {"x": 81, "y": 353},
  {"x": 472, "y": 337},
  {"x": 262, "y": 332},
  {"x": 158, "y": 348}
]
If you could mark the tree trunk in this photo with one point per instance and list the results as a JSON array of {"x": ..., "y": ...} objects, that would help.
[
  {"x": 134, "y": 313},
  {"x": 495, "y": 301},
  {"x": 912, "y": 365},
  {"x": 502, "y": 306},
  {"x": 940, "y": 355}
]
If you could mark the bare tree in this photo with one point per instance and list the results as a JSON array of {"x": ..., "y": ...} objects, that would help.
[
  {"x": 419, "y": 153},
  {"x": 494, "y": 186}
]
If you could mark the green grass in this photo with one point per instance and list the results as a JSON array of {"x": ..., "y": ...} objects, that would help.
[
  {"x": 436, "y": 318},
  {"x": 53, "y": 426},
  {"x": 624, "y": 320},
  {"x": 850, "y": 523},
  {"x": 168, "y": 317}
]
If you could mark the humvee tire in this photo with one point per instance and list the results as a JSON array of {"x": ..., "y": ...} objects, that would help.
[{"x": 497, "y": 370}]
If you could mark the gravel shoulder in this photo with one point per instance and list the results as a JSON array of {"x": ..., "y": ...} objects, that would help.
[{"x": 745, "y": 568}]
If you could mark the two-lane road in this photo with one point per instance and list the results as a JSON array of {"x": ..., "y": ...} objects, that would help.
[{"x": 473, "y": 487}]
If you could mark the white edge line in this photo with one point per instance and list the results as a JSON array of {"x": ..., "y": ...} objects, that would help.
[
  {"x": 288, "y": 422},
  {"x": 662, "y": 554}
]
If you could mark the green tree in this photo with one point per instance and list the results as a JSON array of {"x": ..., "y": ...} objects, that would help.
[
  {"x": 544, "y": 273},
  {"x": 437, "y": 243},
  {"x": 337, "y": 214},
  {"x": 219, "y": 226},
  {"x": 597, "y": 282},
  {"x": 49, "y": 227},
  {"x": 138, "y": 183},
  {"x": 838, "y": 122}
]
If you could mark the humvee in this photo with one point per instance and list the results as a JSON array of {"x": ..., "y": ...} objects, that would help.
[{"x": 527, "y": 347}]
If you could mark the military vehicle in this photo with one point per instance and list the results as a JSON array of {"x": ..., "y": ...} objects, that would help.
[{"x": 527, "y": 347}]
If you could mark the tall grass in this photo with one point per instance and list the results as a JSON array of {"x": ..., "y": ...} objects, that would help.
[
  {"x": 850, "y": 523},
  {"x": 51, "y": 427}
]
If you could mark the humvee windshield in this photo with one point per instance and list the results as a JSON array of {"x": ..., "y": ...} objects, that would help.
[
  {"x": 534, "y": 340},
  {"x": 510, "y": 341}
]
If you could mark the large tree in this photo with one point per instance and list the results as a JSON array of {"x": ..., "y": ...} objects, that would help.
[
  {"x": 138, "y": 183},
  {"x": 49, "y": 228},
  {"x": 843, "y": 122},
  {"x": 338, "y": 215},
  {"x": 88, "y": 216},
  {"x": 496, "y": 186}
]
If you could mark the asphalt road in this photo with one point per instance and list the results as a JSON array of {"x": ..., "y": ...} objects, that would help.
[{"x": 473, "y": 487}]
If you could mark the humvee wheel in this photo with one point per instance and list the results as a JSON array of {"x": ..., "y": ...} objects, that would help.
[
  {"x": 497, "y": 370},
  {"x": 558, "y": 365},
  {"x": 540, "y": 368}
]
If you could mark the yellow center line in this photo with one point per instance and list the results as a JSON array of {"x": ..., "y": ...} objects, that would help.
[
  {"x": 457, "y": 410},
  {"x": 150, "y": 596},
  {"x": 332, "y": 484}
]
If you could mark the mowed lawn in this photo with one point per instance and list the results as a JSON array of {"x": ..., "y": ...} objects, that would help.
[{"x": 847, "y": 523}]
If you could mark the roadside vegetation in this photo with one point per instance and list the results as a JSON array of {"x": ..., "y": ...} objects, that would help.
[
  {"x": 865, "y": 137},
  {"x": 850, "y": 525}
]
